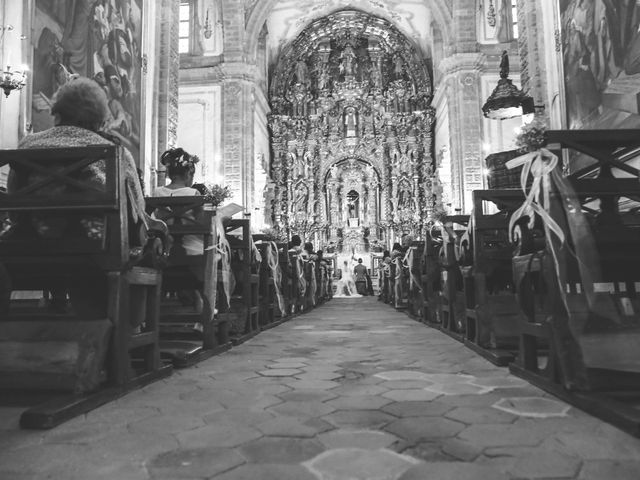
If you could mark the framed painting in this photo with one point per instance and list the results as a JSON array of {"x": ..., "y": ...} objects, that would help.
[
  {"x": 601, "y": 60},
  {"x": 98, "y": 39}
]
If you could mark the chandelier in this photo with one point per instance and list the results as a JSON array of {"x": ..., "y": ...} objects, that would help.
[
  {"x": 11, "y": 80},
  {"x": 507, "y": 101}
]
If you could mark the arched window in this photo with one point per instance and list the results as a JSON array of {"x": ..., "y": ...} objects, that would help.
[
  {"x": 498, "y": 20},
  {"x": 185, "y": 29}
]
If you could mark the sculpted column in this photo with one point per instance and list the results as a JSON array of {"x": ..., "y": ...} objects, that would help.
[{"x": 461, "y": 81}]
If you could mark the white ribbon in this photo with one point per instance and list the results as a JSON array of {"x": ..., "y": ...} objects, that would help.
[{"x": 273, "y": 261}]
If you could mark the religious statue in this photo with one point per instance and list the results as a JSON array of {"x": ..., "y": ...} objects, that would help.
[
  {"x": 300, "y": 199},
  {"x": 301, "y": 71},
  {"x": 348, "y": 57},
  {"x": 323, "y": 78},
  {"x": 398, "y": 67},
  {"x": 350, "y": 122}
]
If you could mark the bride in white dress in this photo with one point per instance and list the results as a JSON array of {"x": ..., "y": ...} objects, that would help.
[{"x": 346, "y": 286}]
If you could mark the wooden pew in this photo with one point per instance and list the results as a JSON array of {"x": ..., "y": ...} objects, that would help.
[
  {"x": 491, "y": 307},
  {"x": 287, "y": 287},
  {"x": 430, "y": 273},
  {"x": 452, "y": 306},
  {"x": 298, "y": 282},
  {"x": 243, "y": 314},
  {"x": 271, "y": 284},
  {"x": 181, "y": 343},
  {"x": 416, "y": 293},
  {"x": 81, "y": 362},
  {"x": 593, "y": 358},
  {"x": 310, "y": 299}
]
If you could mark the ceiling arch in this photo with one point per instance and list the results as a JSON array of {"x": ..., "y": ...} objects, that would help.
[{"x": 411, "y": 17}]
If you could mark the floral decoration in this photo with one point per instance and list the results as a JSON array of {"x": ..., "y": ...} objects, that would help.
[
  {"x": 216, "y": 194},
  {"x": 533, "y": 136}
]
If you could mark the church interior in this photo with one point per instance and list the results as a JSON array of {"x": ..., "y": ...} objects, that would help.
[{"x": 320, "y": 239}]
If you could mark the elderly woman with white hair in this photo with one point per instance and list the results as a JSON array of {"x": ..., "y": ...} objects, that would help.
[{"x": 80, "y": 109}]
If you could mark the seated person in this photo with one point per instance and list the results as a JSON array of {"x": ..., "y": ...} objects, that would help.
[
  {"x": 181, "y": 167},
  {"x": 80, "y": 109},
  {"x": 295, "y": 244}
]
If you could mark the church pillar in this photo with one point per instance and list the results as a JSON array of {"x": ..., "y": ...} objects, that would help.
[
  {"x": 238, "y": 131},
  {"x": 168, "y": 79},
  {"x": 460, "y": 79}
]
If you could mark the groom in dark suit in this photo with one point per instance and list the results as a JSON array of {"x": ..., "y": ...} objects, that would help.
[{"x": 360, "y": 273}]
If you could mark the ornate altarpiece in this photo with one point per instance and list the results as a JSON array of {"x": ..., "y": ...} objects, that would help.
[{"x": 351, "y": 130}]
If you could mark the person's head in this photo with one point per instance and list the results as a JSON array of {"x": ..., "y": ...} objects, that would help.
[
  {"x": 397, "y": 246},
  {"x": 296, "y": 241},
  {"x": 308, "y": 247},
  {"x": 386, "y": 253},
  {"x": 80, "y": 103},
  {"x": 181, "y": 166},
  {"x": 345, "y": 263},
  {"x": 359, "y": 260}
]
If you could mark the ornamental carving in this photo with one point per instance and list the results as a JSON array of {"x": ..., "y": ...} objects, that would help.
[{"x": 351, "y": 130}]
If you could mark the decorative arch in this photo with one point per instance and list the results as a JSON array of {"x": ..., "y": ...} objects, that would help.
[
  {"x": 351, "y": 91},
  {"x": 257, "y": 16}
]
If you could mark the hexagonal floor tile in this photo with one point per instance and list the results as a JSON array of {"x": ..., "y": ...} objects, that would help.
[
  {"x": 472, "y": 415},
  {"x": 417, "y": 409},
  {"x": 499, "y": 382},
  {"x": 311, "y": 384},
  {"x": 452, "y": 471},
  {"x": 218, "y": 435},
  {"x": 194, "y": 462},
  {"x": 268, "y": 472},
  {"x": 403, "y": 375},
  {"x": 459, "y": 389},
  {"x": 546, "y": 464},
  {"x": 358, "y": 390},
  {"x": 365, "y": 439},
  {"x": 280, "y": 372},
  {"x": 281, "y": 450},
  {"x": 359, "y": 403},
  {"x": 279, "y": 365},
  {"x": 422, "y": 395},
  {"x": 303, "y": 409},
  {"x": 313, "y": 395},
  {"x": 360, "y": 464},
  {"x": 536, "y": 407},
  {"x": 405, "y": 384},
  {"x": 359, "y": 418},
  {"x": 415, "y": 429}
]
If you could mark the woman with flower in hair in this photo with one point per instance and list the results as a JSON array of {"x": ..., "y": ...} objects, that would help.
[{"x": 181, "y": 168}]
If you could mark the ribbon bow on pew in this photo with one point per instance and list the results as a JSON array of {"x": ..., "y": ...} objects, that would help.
[
  {"x": 408, "y": 261},
  {"x": 273, "y": 261},
  {"x": 547, "y": 188},
  {"x": 223, "y": 255}
]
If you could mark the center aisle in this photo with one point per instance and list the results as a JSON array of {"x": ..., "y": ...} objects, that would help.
[{"x": 352, "y": 390}]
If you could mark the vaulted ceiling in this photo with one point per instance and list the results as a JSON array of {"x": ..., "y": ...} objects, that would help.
[{"x": 287, "y": 18}]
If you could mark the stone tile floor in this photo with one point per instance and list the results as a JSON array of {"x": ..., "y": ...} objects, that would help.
[{"x": 353, "y": 390}]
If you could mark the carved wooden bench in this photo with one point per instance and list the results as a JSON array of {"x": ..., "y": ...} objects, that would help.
[
  {"x": 593, "y": 360},
  {"x": 243, "y": 314},
  {"x": 452, "y": 306},
  {"x": 189, "y": 333},
  {"x": 430, "y": 279},
  {"x": 61, "y": 231},
  {"x": 491, "y": 307}
]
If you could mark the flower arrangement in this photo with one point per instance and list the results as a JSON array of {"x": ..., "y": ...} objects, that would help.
[
  {"x": 274, "y": 235},
  {"x": 533, "y": 136},
  {"x": 438, "y": 215},
  {"x": 216, "y": 194}
]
